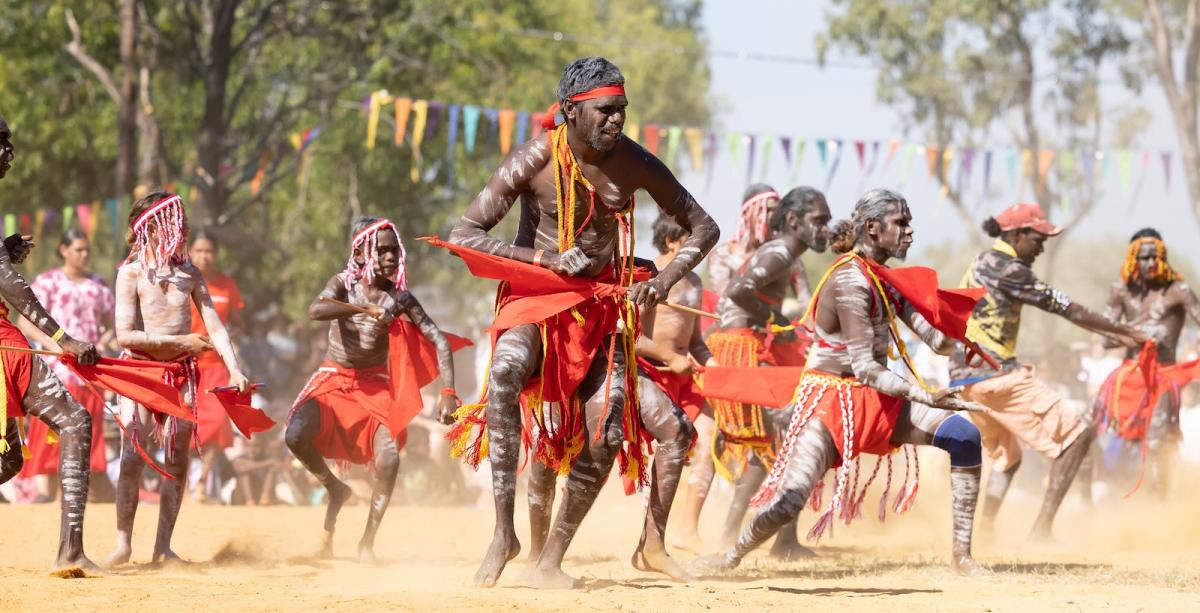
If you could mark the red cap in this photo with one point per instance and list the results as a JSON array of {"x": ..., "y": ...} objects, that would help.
[{"x": 1026, "y": 215}]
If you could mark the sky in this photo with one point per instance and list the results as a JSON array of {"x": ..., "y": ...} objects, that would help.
[{"x": 806, "y": 101}]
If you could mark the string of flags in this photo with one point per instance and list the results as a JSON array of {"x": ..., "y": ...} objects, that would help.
[{"x": 416, "y": 121}]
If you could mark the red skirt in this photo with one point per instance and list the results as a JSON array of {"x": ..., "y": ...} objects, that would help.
[
  {"x": 353, "y": 404},
  {"x": 18, "y": 368},
  {"x": 213, "y": 427},
  {"x": 681, "y": 389}
]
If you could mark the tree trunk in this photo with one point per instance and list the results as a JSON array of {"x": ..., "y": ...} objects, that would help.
[
  {"x": 210, "y": 141},
  {"x": 127, "y": 104},
  {"x": 1180, "y": 93}
]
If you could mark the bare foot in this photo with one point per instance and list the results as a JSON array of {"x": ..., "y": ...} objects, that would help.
[
  {"x": 549, "y": 579},
  {"x": 326, "y": 551},
  {"x": 711, "y": 565},
  {"x": 790, "y": 550},
  {"x": 690, "y": 543},
  {"x": 654, "y": 559},
  {"x": 76, "y": 568},
  {"x": 339, "y": 493},
  {"x": 499, "y": 553},
  {"x": 966, "y": 566},
  {"x": 167, "y": 557},
  {"x": 366, "y": 553},
  {"x": 119, "y": 556}
]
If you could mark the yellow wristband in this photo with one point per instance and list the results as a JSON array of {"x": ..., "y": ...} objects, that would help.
[{"x": 57, "y": 335}]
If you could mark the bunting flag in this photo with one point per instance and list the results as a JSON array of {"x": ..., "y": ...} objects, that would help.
[
  {"x": 833, "y": 166},
  {"x": 785, "y": 143},
  {"x": 947, "y": 157},
  {"x": 39, "y": 220},
  {"x": 674, "y": 134},
  {"x": 83, "y": 212},
  {"x": 68, "y": 217},
  {"x": 535, "y": 124},
  {"x": 650, "y": 134},
  {"x": 860, "y": 149},
  {"x": 694, "y": 138},
  {"x": 893, "y": 145},
  {"x": 420, "y": 112},
  {"x": 749, "y": 140},
  {"x": 633, "y": 130},
  {"x": 733, "y": 143},
  {"x": 507, "y": 118},
  {"x": 260, "y": 173},
  {"x": 874, "y": 157},
  {"x": 522, "y": 126},
  {"x": 493, "y": 117},
  {"x": 1010, "y": 160},
  {"x": 113, "y": 206},
  {"x": 1124, "y": 167},
  {"x": 767, "y": 143},
  {"x": 931, "y": 160},
  {"x": 800, "y": 145},
  {"x": 433, "y": 118},
  {"x": 27, "y": 225},
  {"x": 1026, "y": 165},
  {"x": 906, "y": 163},
  {"x": 964, "y": 168},
  {"x": 374, "y": 101},
  {"x": 470, "y": 115},
  {"x": 1044, "y": 159},
  {"x": 10, "y": 224},
  {"x": 452, "y": 130},
  {"x": 987, "y": 171},
  {"x": 1166, "y": 164},
  {"x": 403, "y": 107},
  {"x": 822, "y": 152}
]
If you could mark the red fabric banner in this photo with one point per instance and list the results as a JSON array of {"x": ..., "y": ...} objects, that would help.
[
  {"x": 154, "y": 385},
  {"x": 765, "y": 386}
]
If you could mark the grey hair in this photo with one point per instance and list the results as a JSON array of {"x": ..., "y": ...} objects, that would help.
[
  {"x": 588, "y": 73},
  {"x": 873, "y": 205}
]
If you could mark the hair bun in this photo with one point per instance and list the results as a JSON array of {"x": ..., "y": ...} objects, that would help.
[
  {"x": 991, "y": 227},
  {"x": 841, "y": 238}
]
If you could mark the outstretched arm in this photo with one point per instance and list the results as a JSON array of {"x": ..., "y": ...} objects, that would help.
[
  {"x": 497, "y": 198},
  {"x": 1022, "y": 285},
  {"x": 675, "y": 201},
  {"x": 410, "y": 306},
  {"x": 1114, "y": 310}
]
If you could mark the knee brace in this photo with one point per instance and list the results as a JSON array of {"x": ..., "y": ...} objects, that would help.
[{"x": 960, "y": 438}]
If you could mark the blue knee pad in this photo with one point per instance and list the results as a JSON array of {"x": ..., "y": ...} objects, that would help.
[{"x": 960, "y": 438}]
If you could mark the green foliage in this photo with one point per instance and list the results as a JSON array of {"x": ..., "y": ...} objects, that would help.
[{"x": 312, "y": 64}]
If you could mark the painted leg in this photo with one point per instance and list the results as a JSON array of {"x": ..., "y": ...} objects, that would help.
[
  {"x": 743, "y": 490},
  {"x": 542, "y": 480},
  {"x": 1062, "y": 473},
  {"x": 48, "y": 400},
  {"x": 129, "y": 481},
  {"x": 964, "y": 493},
  {"x": 516, "y": 354},
  {"x": 387, "y": 464},
  {"x": 301, "y": 431},
  {"x": 11, "y": 459},
  {"x": 814, "y": 453},
  {"x": 672, "y": 431},
  {"x": 699, "y": 483},
  {"x": 590, "y": 471},
  {"x": 172, "y": 490}
]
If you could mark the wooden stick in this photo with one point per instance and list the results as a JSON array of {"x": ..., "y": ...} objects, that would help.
[
  {"x": 354, "y": 307},
  {"x": 26, "y": 350},
  {"x": 686, "y": 309}
]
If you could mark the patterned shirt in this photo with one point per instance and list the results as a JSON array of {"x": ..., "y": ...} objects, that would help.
[
  {"x": 994, "y": 324},
  {"x": 82, "y": 308}
]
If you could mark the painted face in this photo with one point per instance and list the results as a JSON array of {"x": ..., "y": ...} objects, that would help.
[
  {"x": 387, "y": 254},
  {"x": 203, "y": 253},
  {"x": 814, "y": 226},
  {"x": 1029, "y": 244},
  {"x": 7, "y": 151},
  {"x": 894, "y": 232},
  {"x": 77, "y": 254},
  {"x": 599, "y": 121},
  {"x": 1147, "y": 260}
]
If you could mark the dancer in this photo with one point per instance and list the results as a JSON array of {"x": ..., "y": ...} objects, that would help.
[
  {"x": 83, "y": 304},
  {"x": 154, "y": 288},
  {"x": 1153, "y": 297},
  {"x": 214, "y": 433},
  {"x": 848, "y": 402},
  {"x": 751, "y": 333},
  {"x": 356, "y": 407},
  {"x": 1020, "y": 406},
  {"x": 575, "y": 183},
  {"x": 31, "y": 389}
]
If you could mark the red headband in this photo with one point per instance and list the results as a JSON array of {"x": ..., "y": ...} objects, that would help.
[{"x": 591, "y": 94}]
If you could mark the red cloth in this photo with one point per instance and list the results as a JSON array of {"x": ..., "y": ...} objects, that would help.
[
  {"x": 154, "y": 385},
  {"x": 249, "y": 420},
  {"x": 875, "y": 416},
  {"x": 412, "y": 364},
  {"x": 708, "y": 304},
  {"x": 945, "y": 309},
  {"x": 353, "y": 403},
  {"x": 18, "y": 367},
  {"x": 1133, "y": 390},
  {"x": 44, "y": 455},
  {"x": 681, "y": 389},
  {"x": 213, "y": 426},
  {"x": 766, "y": 386}
]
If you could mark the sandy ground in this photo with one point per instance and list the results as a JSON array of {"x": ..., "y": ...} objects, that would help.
[{"x": 1126, "y": 556}]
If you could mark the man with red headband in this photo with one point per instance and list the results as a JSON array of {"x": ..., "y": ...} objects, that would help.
[
  {"x": 29, "y": 388},
  {"x": 356, "y": 407},
  {"x": 156, "y": 286},
  {"x": 1153, "y": 297},
  {"x": 1021, "y": 408},
  {"x": 575, "y": 183}
]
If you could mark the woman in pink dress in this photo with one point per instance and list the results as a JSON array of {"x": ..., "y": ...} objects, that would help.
[{"x": 83, "y": 304}]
